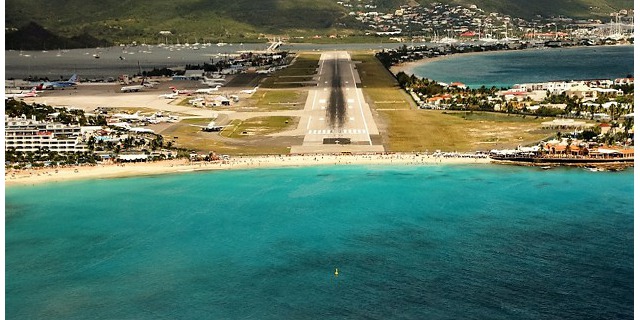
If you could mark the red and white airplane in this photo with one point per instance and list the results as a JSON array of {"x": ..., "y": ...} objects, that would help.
[
  {"x": 30, "y": 94},
  {"x": 175, "y": 90}
]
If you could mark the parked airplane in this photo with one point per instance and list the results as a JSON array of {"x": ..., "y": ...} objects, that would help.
[
  {"x": 122, "y": 125},
  {"x": 213, "y": 82},
  {"x": 50, "y": 85},
  {"x": 172, "y": 95},
  {"x": 44, "y": 86},
  {"x": 149, "y": 84},
  {"x": 138, "y": 87},
  {"x": 72, "y": 82},
  {"x": 252, "y": 91},
  {"x": 266, "y": 71},
  {"x": 175, "y": 90},
  {"x": 208, "y": 91},
  {"x": 141, "y": 130},
  {"x": 126, "y": 116},
  {"x": 29, "y": 94}
]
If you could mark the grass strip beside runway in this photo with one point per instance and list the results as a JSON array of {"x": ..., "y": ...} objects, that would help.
[{"x": 405, "y": 128}]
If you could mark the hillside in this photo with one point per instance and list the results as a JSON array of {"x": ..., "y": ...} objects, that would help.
[
  {"x": 188, "y": 20},
  {"x": 240, "y": 20}
]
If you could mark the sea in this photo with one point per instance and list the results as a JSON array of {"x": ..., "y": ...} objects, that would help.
[
  {"x": 325, "y": 242},
  {"x": 506, "y": 68}
]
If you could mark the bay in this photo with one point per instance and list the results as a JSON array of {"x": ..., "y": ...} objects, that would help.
[{"x": 506, "y": 68}]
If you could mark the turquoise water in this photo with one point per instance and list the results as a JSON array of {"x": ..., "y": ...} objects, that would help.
[
  {"x": 432, "y": 242},
  {"x": 506, "y": 68}
]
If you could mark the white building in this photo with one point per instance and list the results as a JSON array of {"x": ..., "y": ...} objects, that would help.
[{"x": 24, "y": 134}]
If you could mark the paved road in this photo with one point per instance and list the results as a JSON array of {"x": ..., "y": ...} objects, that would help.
[{"x": 335, "y": 111}]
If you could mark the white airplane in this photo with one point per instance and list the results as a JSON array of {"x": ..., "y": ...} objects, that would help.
[
  {"x": 122, "y": 125},
  {"x": 172, "y": 95},
  {"x": 126, "y": 116},
  {"x": 216, "y": 77},
  {"x": 208, "y": 91},
  {"x": 211, "y": 127},
  {"x": 252, "y": 91},
  {"x": 149, "y": 84},
  {"x": 138, "y": 87},
  {"x": 141, "y": 130},
  {"x": 29, "y": 94},
  {"x": 213, "y": 82},
  {"x": 134, "y": 88},
  {"x": 266, "y": 71}
]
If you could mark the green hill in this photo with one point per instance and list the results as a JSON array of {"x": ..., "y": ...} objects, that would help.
[{"x": 221, "y": 20}]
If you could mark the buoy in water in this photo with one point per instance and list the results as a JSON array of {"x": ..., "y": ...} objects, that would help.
[{"x": 336, "y": 272}]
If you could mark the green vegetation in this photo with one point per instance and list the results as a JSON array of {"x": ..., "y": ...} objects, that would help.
[
  {"x": 259, "y": 126},
  {"x": 14, "y": 108},
  {"x": 299, "y": 74},
  {"x": 187, "y": 135},
  {"x": 44, "y": 156},
  {"x": 419, "y": 130},
  {"x": 99, "y": 23},
  {"x": 188, "y": 20},
  {"x": 410, "y": 129},
  {"x": 268, "y": 100},
  {"x": 380, "y": 88},
  {"x": 493, "y": 117}
]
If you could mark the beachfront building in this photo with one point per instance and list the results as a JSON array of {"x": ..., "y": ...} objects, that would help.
[
  {"x": 585, "y": 89},
  {"x": 23, "y": 134}
]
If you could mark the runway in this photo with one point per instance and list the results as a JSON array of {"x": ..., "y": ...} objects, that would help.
[{"x": 336, "y": 116}]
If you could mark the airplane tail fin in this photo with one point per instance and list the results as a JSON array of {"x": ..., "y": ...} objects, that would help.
[{"x": 74, "y": 78}]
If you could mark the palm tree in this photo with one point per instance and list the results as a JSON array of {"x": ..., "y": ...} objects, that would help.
[
  {"x": 567, "y": 149},
  {"x": 91, "y": 142}
]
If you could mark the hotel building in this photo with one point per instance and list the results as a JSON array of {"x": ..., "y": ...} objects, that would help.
[{"x": 25, "y": 135}]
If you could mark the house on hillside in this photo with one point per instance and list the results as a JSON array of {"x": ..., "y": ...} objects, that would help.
[{"x": 604, "y": 128}]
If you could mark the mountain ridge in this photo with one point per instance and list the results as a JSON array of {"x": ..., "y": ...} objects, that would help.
[{"x": 114, "y": 21}]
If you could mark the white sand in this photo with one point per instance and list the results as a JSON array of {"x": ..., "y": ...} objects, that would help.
[
  {"x": 51, "y": 175},
  {"x": 409, "y": 67}
]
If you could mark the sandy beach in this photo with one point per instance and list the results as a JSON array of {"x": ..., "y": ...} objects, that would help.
[
  {"x": 104, "y": 171},
  {"x": 409, "y": 67}
]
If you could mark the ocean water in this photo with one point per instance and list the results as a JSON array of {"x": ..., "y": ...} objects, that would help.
[
  {"x": 506, "y": 68},
  {"x": 409, "y": 242}
]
